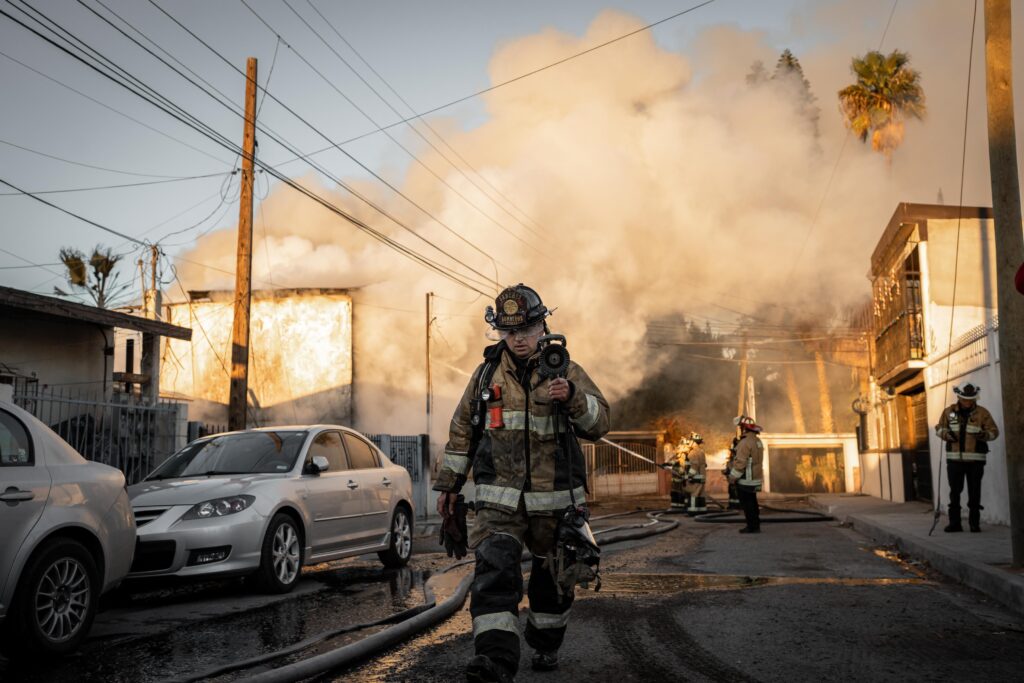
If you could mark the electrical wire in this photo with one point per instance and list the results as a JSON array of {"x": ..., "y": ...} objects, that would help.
[
  {"x": 388, "y": 184},
  {"x": 269, "y": 132},
  {"x": 411, "y": 127},
  {"x": 116, "y": 187},
  {"x": 167, "y": 106},
  {"x": 109, "y": 108},
  {"x": 956, "y": 256},
  {"x": 527, "y": 74},
  {"x": 98, "y": 168}
]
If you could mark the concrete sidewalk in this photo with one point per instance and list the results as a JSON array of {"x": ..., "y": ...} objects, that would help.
[{"x": 981, "y": 561}]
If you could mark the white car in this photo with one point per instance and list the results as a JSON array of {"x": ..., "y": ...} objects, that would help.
[
  {"x": 66, "y": 536},
  {"x": 267, "y": 501}
]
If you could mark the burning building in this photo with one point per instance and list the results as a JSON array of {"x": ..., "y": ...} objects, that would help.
[{"x": 300, "y": 356}]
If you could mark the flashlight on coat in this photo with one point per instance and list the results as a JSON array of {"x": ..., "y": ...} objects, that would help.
[{"x": 493, "y": 397}]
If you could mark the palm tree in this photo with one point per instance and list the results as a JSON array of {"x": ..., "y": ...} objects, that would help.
[
  {"x": 886, "y": 94},
  {"x": 101, "y": 284}
]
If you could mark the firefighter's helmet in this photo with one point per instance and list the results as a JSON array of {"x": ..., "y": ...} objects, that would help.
[
  {"x": 747, "y": 424},
  {"x": 968, "y": 392},
  {"x": 696, "y": 437},
  {"x": 516, "y": 307}
]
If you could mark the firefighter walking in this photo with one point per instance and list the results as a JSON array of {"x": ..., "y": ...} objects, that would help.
[
  {"x": 966, "y": 428},
  {"x": 508, "y": 428},
  {"x": 745, "y": 472}
]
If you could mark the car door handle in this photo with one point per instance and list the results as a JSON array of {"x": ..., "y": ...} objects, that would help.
[
  {"x": 13, "y": 495},
  {"x": 386, "y": 481},
  {"x": 352, "y": 484}
]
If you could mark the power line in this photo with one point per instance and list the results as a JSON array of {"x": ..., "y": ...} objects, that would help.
[
  {"x": 269, "y": 132},
  {"x": 117, "y": 187},
  {"x": 109, "y": 108},
  {"x": 527, "y": 74},
  {"x": 98, "y": 168},
  {"x": 411, "y": 127},
  {"x": 72, "y": 213},
  {"x": 175, "y": 111}
]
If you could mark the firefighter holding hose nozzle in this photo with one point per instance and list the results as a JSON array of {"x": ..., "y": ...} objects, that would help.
[
  {"x": 745, "y": 472},
  {"x": 516, "y": 426},
  {"x": 696, "y": 475}
]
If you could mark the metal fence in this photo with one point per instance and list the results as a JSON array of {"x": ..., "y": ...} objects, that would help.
[
  {"x": 613, "y": 472},
  {"x": 118, "y": 431},
  {"x": 412, "y": 453}
]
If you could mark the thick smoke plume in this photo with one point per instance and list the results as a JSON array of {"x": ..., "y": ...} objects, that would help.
[{"x": 658, "y": 185}]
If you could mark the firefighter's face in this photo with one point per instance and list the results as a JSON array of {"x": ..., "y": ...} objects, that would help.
[{"x": 523, "y": 341}]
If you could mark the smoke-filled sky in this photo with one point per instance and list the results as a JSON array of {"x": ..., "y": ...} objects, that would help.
[{"x": 643, "y": 180}]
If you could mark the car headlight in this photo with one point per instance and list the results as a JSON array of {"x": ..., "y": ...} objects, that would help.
[{"x": 219, "y": 507}]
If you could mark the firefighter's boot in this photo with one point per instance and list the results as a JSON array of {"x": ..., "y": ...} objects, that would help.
[
  {"x": 954, "y": 521},
  {"x": 544, "y": 661},
  {"x": 974, "y": 518},
  {"x": 482, "y": 669}
]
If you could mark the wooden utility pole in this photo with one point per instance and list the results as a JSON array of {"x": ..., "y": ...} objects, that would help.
[
  {"x": 1002, "y": 159},
  {"x": 740, "y": 403},
  {"x": 429, "y": 383},
  {"x": 243, "y": 270}
]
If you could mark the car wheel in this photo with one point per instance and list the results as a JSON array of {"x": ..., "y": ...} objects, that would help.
[
  {"x": 400, "y": 549},
  {"x": 281, "y": 558},
  {"x": 56, "y": 600}
]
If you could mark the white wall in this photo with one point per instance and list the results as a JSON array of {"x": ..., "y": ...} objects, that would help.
[{"x": 62, "y": 355}]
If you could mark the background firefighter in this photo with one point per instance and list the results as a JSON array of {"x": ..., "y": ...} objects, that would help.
[
  {"x": 696, "y": 476},
  {"x": 522, "y": 483},
  {"x": 745, "y": 472},
  {"x": 677, "y": 494},
  {"x": 966, "y": 428}
]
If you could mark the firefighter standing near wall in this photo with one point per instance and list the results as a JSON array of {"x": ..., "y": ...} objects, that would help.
[
  {"x": 696, "y": 475},
  {"x": 521, "y": 486},
  {"x": 734, "y": 499},
  {"x": 966, "y": 428},
  {"x": 745, "y": 471}
]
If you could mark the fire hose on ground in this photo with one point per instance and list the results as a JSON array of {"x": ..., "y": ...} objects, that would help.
[
  {"x": 407, "y": 623},
  {"x": 732, "y": 517}
]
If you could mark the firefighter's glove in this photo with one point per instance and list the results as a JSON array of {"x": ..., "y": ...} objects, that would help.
[{"x": 454, "y": 536}]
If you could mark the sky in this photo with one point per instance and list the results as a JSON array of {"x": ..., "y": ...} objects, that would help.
[{"x": 431, "y": 53}]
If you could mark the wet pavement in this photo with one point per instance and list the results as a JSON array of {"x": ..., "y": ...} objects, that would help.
[{"x": 799, "y": 602}]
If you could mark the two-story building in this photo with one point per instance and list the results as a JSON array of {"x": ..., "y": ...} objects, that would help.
[{"x": 935, "y": 325}]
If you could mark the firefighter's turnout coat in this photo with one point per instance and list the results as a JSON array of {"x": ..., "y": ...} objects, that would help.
[
  {"x": 746, "y": 464},
  {"x": 970, "y": 438},
  {"x": 696, "y": 470},
  {"x": 518, "y": 459}
]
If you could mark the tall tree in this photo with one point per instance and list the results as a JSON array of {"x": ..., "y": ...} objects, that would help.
[
  {"x": 93, "y": 276},
  {"x": 789, "y": 77},
  {"x": 886, "y": 94}
]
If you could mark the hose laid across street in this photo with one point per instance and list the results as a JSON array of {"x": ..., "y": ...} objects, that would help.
[{"x": 408, "y": 628}]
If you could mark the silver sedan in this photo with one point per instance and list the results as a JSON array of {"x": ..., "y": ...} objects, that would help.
[
  {"x": 66, "y": 536},
  {"x": 267, "y": 501}
]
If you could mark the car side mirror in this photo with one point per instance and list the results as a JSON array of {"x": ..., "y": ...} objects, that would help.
[{"x": 317, "y": 465}]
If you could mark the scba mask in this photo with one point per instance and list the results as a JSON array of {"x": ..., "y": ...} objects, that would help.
[{"x": 577, "y": 555}]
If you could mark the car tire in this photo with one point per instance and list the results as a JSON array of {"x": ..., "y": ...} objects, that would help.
[
  {"x": 400, "y": 546},
  {"x": 281, "y": 556},
  {"x": 55, "y": 602}
]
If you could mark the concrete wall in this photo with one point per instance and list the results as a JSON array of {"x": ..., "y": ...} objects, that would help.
[
  {"x": 882, "y": 475},
  {"x": 62, "y": 354}
]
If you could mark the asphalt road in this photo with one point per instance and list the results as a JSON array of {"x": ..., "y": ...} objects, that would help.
[{"x": 799, "y": 602}]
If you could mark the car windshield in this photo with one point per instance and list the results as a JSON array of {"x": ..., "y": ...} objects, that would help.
[{"x": 246, "y": 453}]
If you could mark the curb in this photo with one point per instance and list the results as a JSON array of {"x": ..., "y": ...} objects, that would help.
[{"x": 1005, "y": 588}]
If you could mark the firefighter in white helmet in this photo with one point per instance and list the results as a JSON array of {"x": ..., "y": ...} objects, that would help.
[
  {"x": 745, "y": 471},
  {"x": 966, "y": 428},
  {"x": 696, "y": 475}
]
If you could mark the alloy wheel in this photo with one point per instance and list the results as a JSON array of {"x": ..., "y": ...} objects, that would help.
[
  {"x": 62, "y": 599},
  {"x": 402, "y": 532},
  {"x": 286, "y": 553}
]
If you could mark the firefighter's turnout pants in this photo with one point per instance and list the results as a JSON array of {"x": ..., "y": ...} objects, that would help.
[{"x": 499, "y": 538}]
